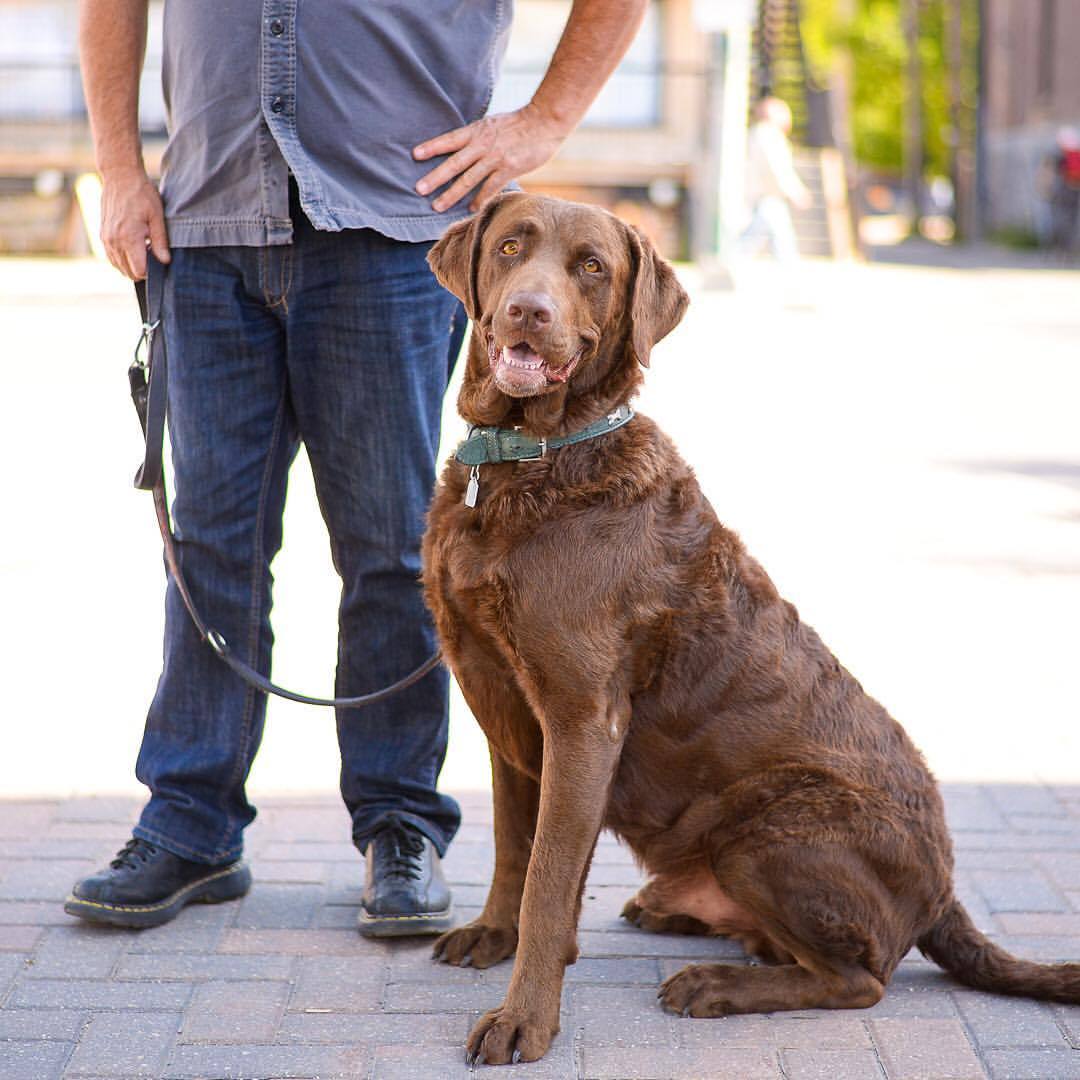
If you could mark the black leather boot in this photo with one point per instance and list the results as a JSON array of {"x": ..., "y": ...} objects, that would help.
[
  {"x": 406, "y": 892},
  {"x": 146, "y": 885}
]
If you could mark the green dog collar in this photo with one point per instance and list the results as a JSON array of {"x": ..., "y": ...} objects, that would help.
[{"x": 492, "y": 445}]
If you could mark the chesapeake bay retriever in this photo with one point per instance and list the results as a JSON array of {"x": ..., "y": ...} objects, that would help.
[{"x": 635, "y": 669}]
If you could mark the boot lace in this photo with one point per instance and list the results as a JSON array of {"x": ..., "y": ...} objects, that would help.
[
  {"x": 133, "y": 854},
  {"x": 406, "y": 847}
]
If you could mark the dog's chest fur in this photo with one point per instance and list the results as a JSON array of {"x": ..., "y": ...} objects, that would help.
[{"x": 607, "y": 559}]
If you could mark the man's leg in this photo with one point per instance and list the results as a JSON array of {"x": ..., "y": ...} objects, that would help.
[
  {"x": 368, "y": 332},
  {"x": 233, "y": 436}
]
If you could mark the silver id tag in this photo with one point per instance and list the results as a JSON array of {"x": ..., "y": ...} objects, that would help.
[{"x": 473, "y": 488}]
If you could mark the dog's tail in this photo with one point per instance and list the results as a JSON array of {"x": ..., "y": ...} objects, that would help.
[{"x": 961, "y": 949}]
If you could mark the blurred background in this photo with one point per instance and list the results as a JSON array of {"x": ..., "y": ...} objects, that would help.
[
  {"x": 941, "y": 118},
  {"x": 889, "y": 420}
]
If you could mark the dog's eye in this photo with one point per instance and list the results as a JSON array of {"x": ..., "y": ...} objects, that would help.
[
  {"x": 509, "y": 247},
  {"x": 591, "y": 266}
]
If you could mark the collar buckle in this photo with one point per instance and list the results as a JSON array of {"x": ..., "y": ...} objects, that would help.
[{"x": 523, "y": 452}]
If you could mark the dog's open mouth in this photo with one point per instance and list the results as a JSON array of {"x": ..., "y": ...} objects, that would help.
[{"x": 520, "y": 371}]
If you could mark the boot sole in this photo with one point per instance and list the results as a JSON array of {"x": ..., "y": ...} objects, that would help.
[
  {"x": 228, "y": 884},
  {"x": 428, "y": 922}
]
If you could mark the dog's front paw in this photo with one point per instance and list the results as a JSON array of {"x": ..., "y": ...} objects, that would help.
[
  {"x": 476, "y": 944},
  {"x": 506, "y": 1036}
]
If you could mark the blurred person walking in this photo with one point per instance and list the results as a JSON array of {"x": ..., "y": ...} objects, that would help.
[
  {"x": 772, "y": 184},
  {"x": 1065, "y": 192},
  {"x": 288, "y": 241}
]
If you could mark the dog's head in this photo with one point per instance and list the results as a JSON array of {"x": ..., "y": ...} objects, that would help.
[{"x": 566, "y": 302}]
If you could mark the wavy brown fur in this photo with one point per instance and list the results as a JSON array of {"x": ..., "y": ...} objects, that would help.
[
  {"x": 633, "y": 667},
  {"x": 962, "y": 950}
]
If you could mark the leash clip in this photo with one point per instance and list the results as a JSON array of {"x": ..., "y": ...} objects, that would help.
[{"x": 146, "y": 340}]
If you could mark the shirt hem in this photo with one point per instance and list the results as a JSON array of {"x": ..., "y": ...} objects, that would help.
[
  {"x": 259, "y": 232},
  {"x": 228, "y": 232},
  {"x": 417, "y": 228}
]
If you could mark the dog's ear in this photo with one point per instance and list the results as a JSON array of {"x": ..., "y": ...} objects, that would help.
[
  {"x": 657, "y": 300},
  {"x": 455, "y": 258}
]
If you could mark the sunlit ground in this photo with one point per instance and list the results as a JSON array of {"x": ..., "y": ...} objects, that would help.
[{"x": 900, "y": 449}]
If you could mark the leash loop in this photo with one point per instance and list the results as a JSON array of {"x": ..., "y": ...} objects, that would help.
[{"x": 147, "y": 381}]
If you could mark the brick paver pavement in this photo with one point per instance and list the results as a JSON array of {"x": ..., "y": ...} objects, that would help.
[
  {"x": 281, "y": 985},
  {"x": 903, "y": 457}
]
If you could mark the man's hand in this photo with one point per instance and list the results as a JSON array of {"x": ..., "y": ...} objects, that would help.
[
  {"x": 131, "y": 215},
  {"x": 488, "y": 154}
]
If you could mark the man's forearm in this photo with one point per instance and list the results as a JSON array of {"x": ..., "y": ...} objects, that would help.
[
  {"x": 597, "y": 35},
  {"x": 112, "y": 43}
]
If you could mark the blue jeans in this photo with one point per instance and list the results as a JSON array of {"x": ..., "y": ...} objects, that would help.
[{"x": 342, "y": 340}]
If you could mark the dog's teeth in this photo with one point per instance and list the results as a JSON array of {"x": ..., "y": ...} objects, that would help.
[{"x": 530, "y": 361}]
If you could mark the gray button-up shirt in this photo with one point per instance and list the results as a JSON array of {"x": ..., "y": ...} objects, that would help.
[{"x": 336, "y": 91}]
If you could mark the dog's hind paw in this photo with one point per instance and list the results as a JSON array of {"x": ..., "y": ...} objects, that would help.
[
  {"x": 701, "y": 990},
  {"x": 644, "y": 919}
]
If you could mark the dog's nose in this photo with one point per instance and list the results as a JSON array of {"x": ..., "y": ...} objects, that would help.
[{"x": 530, "y": 307}]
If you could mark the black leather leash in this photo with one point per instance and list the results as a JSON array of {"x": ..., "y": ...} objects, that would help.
[{"x": 148, "y": 378}]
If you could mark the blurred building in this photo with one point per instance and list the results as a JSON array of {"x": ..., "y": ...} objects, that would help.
[
  {"x": 1031, "y": 88},
  {"x": 647, "y": 149},
  {"x": 44, "y": 137},
  {"x": 638, "y": 151}
]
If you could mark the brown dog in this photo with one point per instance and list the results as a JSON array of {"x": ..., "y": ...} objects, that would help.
[{"x": 635, "y": 669}]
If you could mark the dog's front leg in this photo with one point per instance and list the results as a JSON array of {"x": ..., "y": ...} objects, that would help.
[
  {"x": 578, "y": 764},
  {"x": 494, "y": 935}
]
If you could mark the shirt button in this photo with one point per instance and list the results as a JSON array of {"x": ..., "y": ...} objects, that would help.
[
  {"x": 277, "y": 105},
  {"x": 277, "y": 27}
]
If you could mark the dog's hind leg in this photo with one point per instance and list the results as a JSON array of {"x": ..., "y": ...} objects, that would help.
[
  {"x": 820, "y": 905},
  {"x": 728, "y": 989}
]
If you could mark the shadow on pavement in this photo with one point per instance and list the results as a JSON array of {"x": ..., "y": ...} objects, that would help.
[
  {"x": 1061, "y": 472},
  {"x": 968, "y": 257}
]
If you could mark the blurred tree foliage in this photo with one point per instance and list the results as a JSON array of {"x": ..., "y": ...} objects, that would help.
[{"x": 871, "y": 32}]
